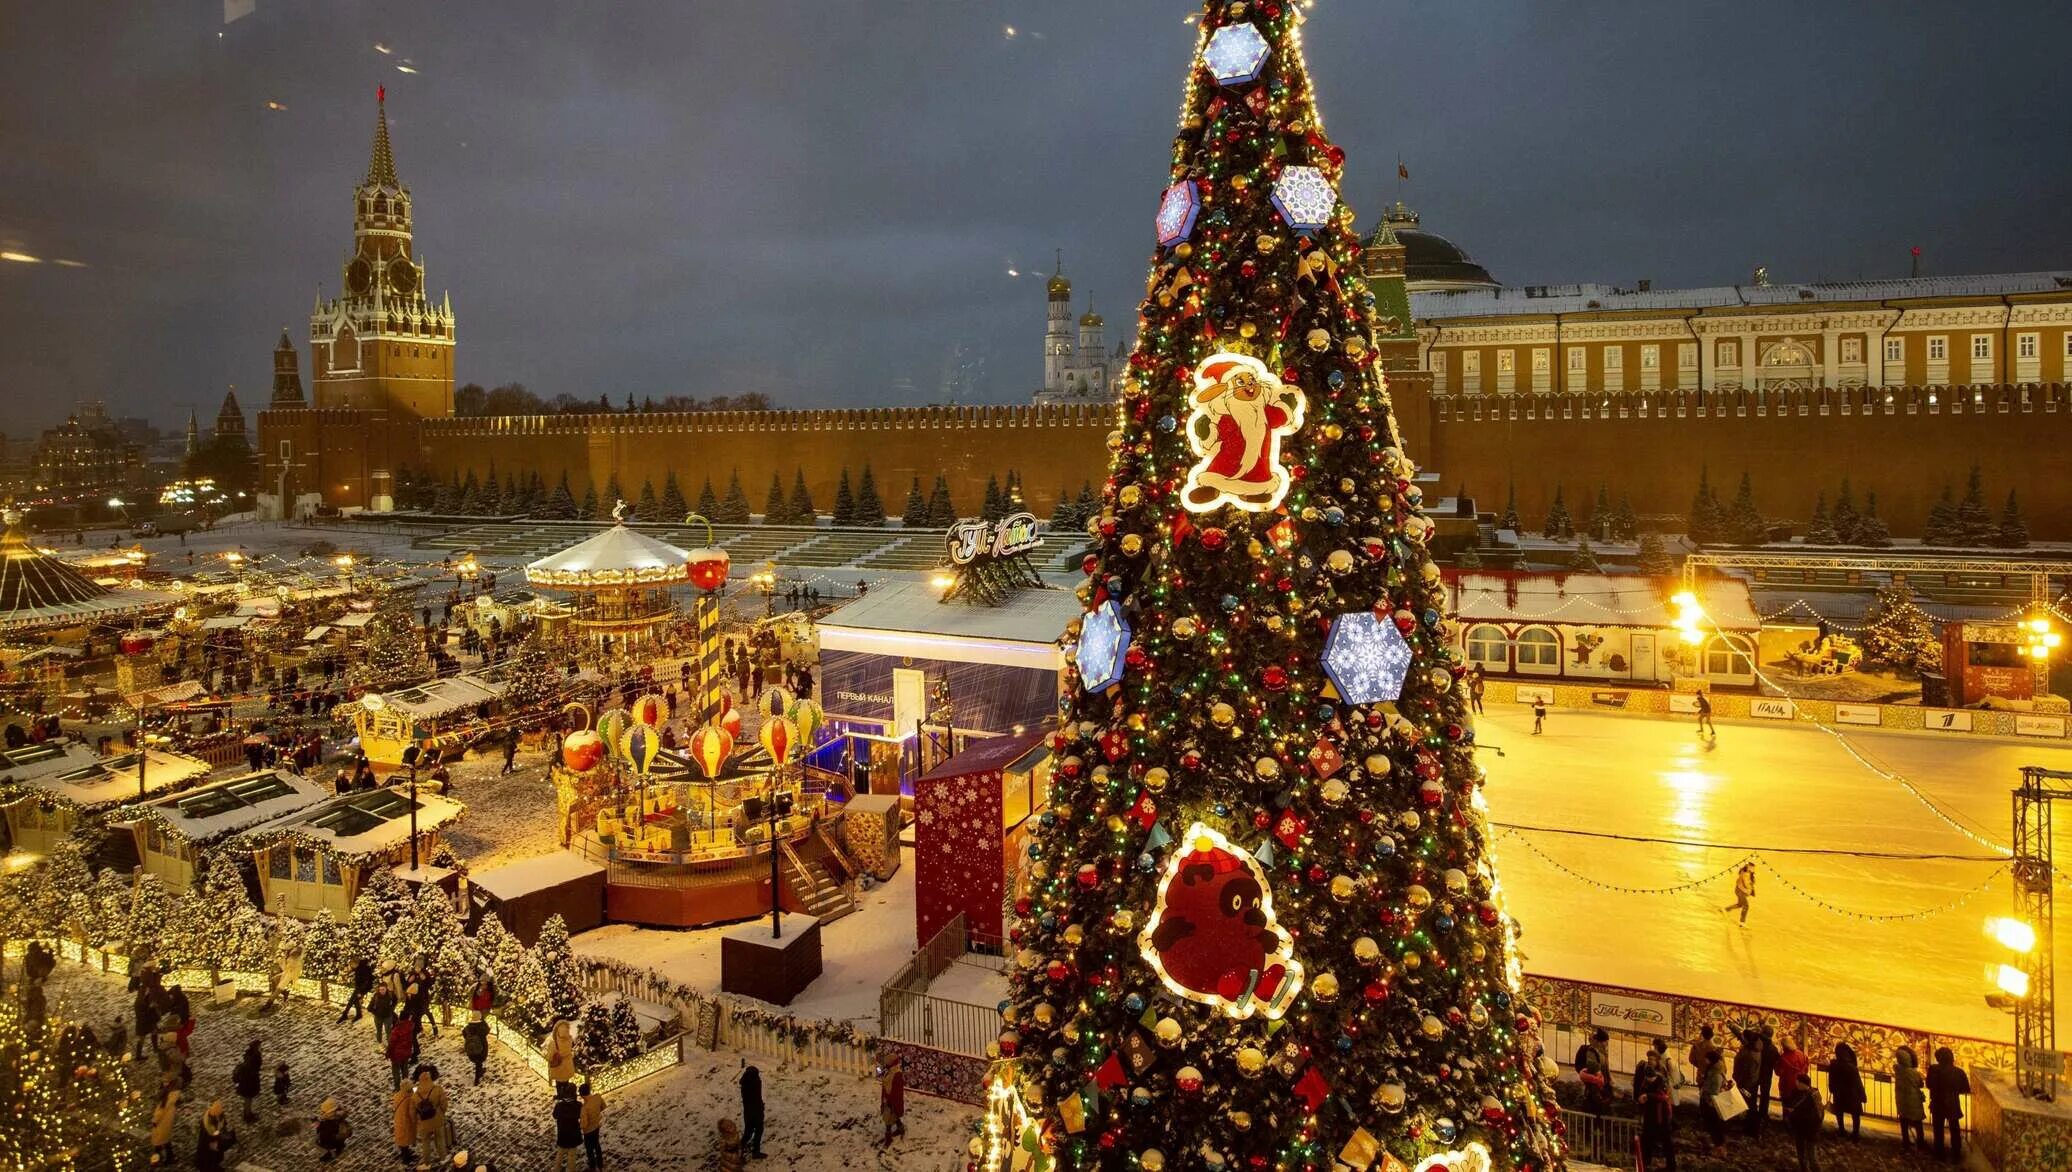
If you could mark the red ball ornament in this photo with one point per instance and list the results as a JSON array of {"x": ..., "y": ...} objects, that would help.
[
  {"x": 1089, "y": 876},
  {"x": 1090, "y": 564},
  {"x": 1022, "y": 906},
  {"x": 1316, "y": 873},
  {"x": 1191, "y": 759},
  {"x": 1212, "y": 538},
  {"x": 1375, "y": 992},
  {"x": 1455, "y": 732},
  {"x": 1284, "y": 584},
  {"x": 1486, "y": 912},
  {"x": 1058, "y": 970},
  {"x": 1008, "y": 1045},
  {"x": 1261, "y": 819},
  {"x": 1431, "y": 792},
  {"x": 1274, "y": 678},
  {"x": 1135, "y": 656},
  {"x": 1405, "y": 621},
  {"x": 1188, "y": 1080}
]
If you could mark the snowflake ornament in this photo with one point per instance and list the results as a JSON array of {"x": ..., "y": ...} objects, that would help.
[
  {"x": 1304, "y": 198},
  {"x": 1236, "y": 54},
  {"x": 1177, "y": 211},
  {"x": 1104, "y": 638},
  {"x": 1366, "y": 658}
]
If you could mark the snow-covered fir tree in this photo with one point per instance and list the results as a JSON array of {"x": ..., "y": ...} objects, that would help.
[
  {"x": 625, "y": 1026},
  {"x": 528, "y": 1005},
  {"x": 325, "y": 955},
  {"x": 558, "y": 960},
  {"x": 594, "y": 1039}
]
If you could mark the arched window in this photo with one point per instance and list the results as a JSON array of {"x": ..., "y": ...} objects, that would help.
[
  {"x": 1729, "y": 655},
  {"x": 1488, "y": 645},
  {"x": 1539, "y": 651}
]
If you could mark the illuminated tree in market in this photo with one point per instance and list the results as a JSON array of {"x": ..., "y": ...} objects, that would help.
[
  {"x": 1264, "y": 928},
  {"x": 63, "y": 1102}
]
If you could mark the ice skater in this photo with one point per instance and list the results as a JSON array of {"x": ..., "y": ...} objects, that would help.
[
  {"x": 1705, "y": 725},
  {"x": 1744, "y": 891},
  {"x": 1539, "y": 715}
]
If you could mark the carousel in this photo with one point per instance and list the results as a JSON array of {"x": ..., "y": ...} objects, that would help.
[
  {"x": 685, "y": 833},
  {"x": 622, "y": 582}
]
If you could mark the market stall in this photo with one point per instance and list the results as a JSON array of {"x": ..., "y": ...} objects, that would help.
[
  {"x": 171, "y": 833},
  {"x": 1601, "y": 627},
  {"x": 971, "y": 815},
  {"x": 436, "y": 717},
  {"x": 48, "y": 790},
  {"x": 318, "y": 857}
]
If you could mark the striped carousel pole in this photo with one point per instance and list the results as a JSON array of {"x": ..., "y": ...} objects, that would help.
[{"x": 708, "y": 568}]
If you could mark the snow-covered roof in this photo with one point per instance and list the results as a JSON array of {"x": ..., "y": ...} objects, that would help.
[
  {"x": 78, "y": 775},
  {"x": 364, "y": 823},
  {"x": 1604, "y": 600},
  {"x": 1592, "y": 298},
  {"x": 209, "y": 812},
  {"x": 537, "y": 873},
  {"x": 358, "y": 618},
  {"x": 226, "y": 622},
  {"x": 910, "y": 619},
  {"x": 439, "y": 697},
  {"x": 174, "y": 693},
  {"x": 617, "y": 556}
]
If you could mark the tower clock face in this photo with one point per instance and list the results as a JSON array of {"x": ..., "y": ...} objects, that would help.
[
  {"x": 402, "y": 277},
  {"x": 359, "y": 275}
]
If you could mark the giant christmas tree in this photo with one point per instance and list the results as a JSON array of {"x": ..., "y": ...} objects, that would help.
[{"x": 1264, "y": 929}]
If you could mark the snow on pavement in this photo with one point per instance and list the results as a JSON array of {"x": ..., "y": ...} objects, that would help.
[{"x": 1762, "y": 786}]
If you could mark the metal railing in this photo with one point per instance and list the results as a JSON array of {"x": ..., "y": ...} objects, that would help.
[
  {"x": 1600, "y": 1139},
  {"x": 907, "y": 1012}
]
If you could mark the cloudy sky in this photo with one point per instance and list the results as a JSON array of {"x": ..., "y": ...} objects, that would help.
[{"x": 819, "y": 198}]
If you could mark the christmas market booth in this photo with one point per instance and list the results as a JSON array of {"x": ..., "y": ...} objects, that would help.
[
  {"x": 439, "y": 717},
  {"x": 971, "y": 824},
  {"x": 525, "y": 893},
  {"x": 318, "y": 857},
  {"x": 48, "y": 790},
  {"x": 1613, "y": 628},
  {"x": 912, "y": 671},
  {"x": 684, "y": 836},
  {"x": 171, "y": 833},
  {"x": 621, "y": 581}
]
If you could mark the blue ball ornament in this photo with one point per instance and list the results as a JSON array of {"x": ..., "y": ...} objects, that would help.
[
  {"x": 1134, "y": 1003},
  {"x": 1334, "y": 516},
  {"x": 1445, "y": 1130},
  {"x": 1049, "y": 920},
  {"x": 1385, "y": 846},
  {"x": 1501, "y": 998},
  {"x": 1326, "y": 711},
  {"x": 1336, "y": 378},
  {"x": 1167, "y": 423},
  {"x": 1343, "y": 1043},
  {"x": 1431, "y": 618},
  {"x": 1229, "y": 603},
  {"x": 1443, "y": 922},
  {"x": 1146, "y": 863}
]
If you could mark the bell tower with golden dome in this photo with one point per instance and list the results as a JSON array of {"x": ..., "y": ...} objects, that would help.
[
  {"x": 1057, "y": 335},
  {"x": 383, "y": 344}
]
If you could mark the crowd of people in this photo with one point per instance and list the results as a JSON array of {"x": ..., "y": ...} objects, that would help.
[{"x": 1737, "y": 1092}]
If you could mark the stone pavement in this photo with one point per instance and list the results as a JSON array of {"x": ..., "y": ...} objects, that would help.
[{"x": 816, "y": 1119}]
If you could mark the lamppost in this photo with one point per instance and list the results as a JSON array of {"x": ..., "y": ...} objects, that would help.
[
  {"x": 344, "y": 562},
  {"x": 766, "y": 582},
  {"x": 410, "y": 755},
  {"x": 466, "y": 570}
]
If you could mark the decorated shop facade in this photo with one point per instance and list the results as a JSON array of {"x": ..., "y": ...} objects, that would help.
[
  {"x": 1608, "y": 628},
  {"x": 317, "y": 858}
]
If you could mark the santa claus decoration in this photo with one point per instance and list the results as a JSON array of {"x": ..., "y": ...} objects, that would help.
[
  {"x": 1212, "y": 937},
  {"x": 1241, "y": 411}
]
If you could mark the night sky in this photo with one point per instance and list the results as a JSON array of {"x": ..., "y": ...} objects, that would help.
[{"x": 819, "y": 198}]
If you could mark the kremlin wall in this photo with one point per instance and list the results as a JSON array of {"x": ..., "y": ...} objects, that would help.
[{"x": 1900, "y": 385}]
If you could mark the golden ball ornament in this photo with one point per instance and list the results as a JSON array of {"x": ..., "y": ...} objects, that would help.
[
  {"x": 1354, "y": 347},
  {"x": 1412, "y": 962},
  {"x": 1431, "y": 1027},
  {"x": 1319, "y": 340},
  {"x": 1366, "y": 951},
  {"x": 1115, "y": 824},
  {"x": 1115, "y": 441},
  {"x": 1255, "y": 549},
  {"x": 1267, "y": 242},
  {"x": 1132, "y": 544},
  {"x": 1339, "y": 561},
  {"x": 1343, "y": 887},
  {"x": 1124, "y": 919},
  {"x": 1222, "y": 715},
  {"x": 1242, "y": 1120},
  {"x": 1456, "y": 881},
  {"x": 1045, "y": 1013},
  {"x": 1334, "y": 791},
  {"x": 1267, "y": 768},
  {"x": 1325, "y": 987},
  {"x": 1183, "y": 250},
  {"x": 1186, "y": 627},
  {"x": 1167, "y": 1032},
  {"x": 1241, "y": 182},
  {"x": 1130, "y": 495},
  {"x": 1151, "y": 1160},
  {"x": 1074, "y": 934},
  {"x": 1418, "y": 897},
  {"x": 1247, "y": 330},
  {"x": 1378, "y": 764},
  {"x": 1478, "y": 1014},
  {"x": 1390, "y": 1097},
  {"x": 1155, "y": 778},
  {"x": 1274, "y": 622},
  {"x": 1410, "y": 820},
  {"x": 1251, "y": 1061}
]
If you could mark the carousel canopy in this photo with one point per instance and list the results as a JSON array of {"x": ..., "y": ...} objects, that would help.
[
  {"x": 616, "y": 557},
  {"x": 39, "y": 590}
]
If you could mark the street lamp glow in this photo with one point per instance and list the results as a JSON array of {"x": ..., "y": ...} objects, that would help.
[
  {"x": 2009, "y": 980},
  {"x": 343, "y": 561},
  {"x": 2012, "y": 934},
  {"x": 114, "y": 502},
  {"x": 942, "y": 581}
]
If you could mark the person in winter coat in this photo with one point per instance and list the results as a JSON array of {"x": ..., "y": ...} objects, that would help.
[
  {"x": 568, "y": 1128},
  {"x": 1744, "y": 891},
  {"x": 592, "y": 1124},
  {"x": 752, "y": 1112},
  {"x": 402, "y": 1047},
  {"x": 892, "y": 1100},
  {"x": 1803, "y": 1115},
  {"x": 1768, "y": 1074},
  {"x": 1594, "y": 1070},
  {"x": 213, "y": 1139},
  {"x": 431, "y": 1115},
  {"x": 1793, "y": 1068},
  {"x": 1845, "y": 1090},
  {"x": 144, "y": 1013},
  {"x": 245, "y": 1078},
  {"x": 164, "y": 1119},
  {"x": 363, "y": 984},
  {"x": 1908, "y": 1097},
  {"x": 483, "y": 999},
  {"x": 1712, "y": 1080},
  {"x": 1700, "y": 1048},
  {"x": 474, "y": 1042},
  {"x": 727, "y": 1146},
  {"x": 1947, "y": 1086},
  {"x": 176, "y": 1004},
  {"x": 1748, "y": 1068},
  {"x": 403, "y": 1109},
  {"x": 332, "y": 1130},
  {"x": 383, "y": 1006},
  {"x": 280, "y": 1084},
  {"x": 1657, "y": 1118},
  {"x": 561, "y": 1054}
]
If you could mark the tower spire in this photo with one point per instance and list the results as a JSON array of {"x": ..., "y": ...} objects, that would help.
[{"x": 381, "y": 168}]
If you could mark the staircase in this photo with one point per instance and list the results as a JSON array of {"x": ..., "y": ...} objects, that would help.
[{"x": 823, "y": 895}]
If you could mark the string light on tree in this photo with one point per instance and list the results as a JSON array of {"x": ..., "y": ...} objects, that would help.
[{"x": 1262, "y": 929}]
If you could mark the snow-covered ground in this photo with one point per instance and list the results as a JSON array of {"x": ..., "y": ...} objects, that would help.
[
  {"x": 1763, "y": 786},
  {"x": 859, "y": 952},
  {"x": 817, "y": 1121}
]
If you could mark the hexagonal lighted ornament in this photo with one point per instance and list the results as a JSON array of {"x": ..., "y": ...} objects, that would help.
[
  {"x": 1366, "y": 658},
  {"x": 1104, "y": 638},
  {"x": 1177, "y": 212},
  {"x": 1236, "y": 54},
  {"x": 1304, "y": 198}
]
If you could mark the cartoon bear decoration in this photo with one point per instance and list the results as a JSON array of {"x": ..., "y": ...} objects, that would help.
[{"x": 1213, "y": 937}]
